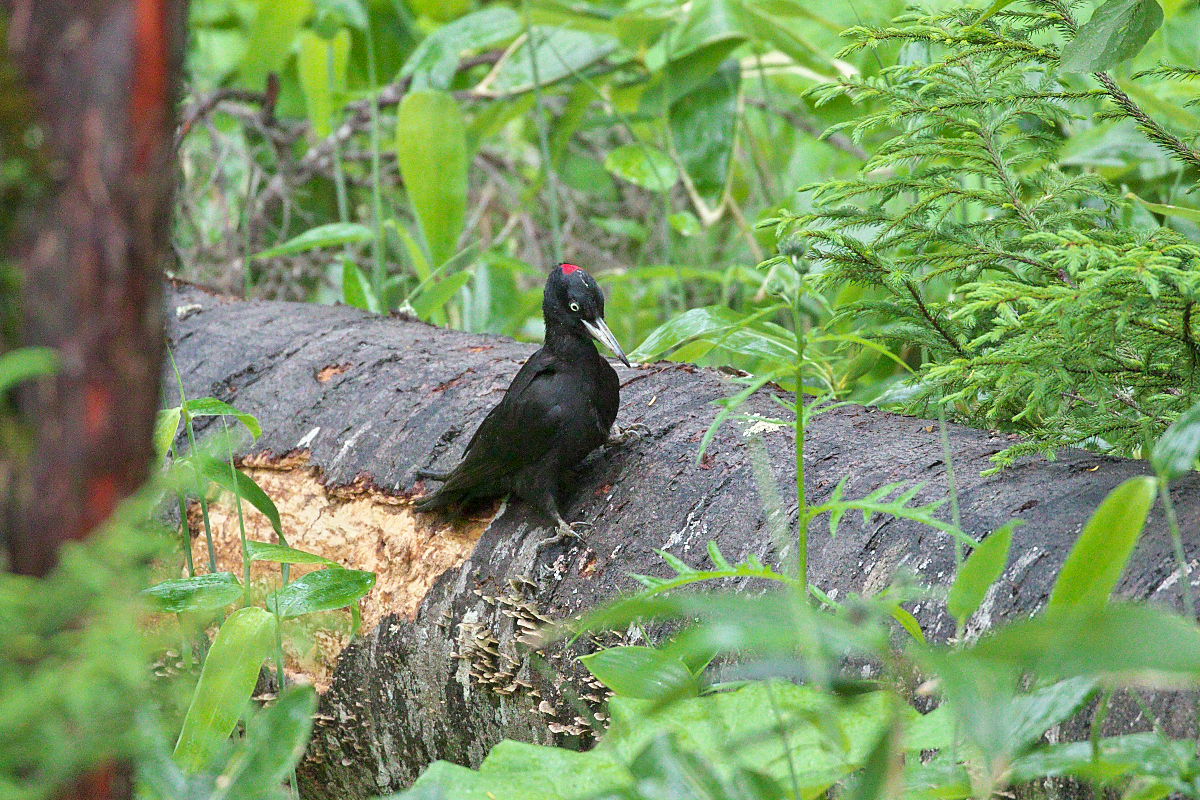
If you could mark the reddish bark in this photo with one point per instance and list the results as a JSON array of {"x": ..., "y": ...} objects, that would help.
[{"x": 102, "y": 75}]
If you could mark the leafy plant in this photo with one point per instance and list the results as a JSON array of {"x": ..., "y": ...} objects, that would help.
[
  {"x": 1031, "y": 306},
  {"x": 779, "y": 714},
  {"x": 249, "y": 636}
]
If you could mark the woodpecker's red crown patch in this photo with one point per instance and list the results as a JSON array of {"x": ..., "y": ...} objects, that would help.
[{"x": 569, "y": 268}]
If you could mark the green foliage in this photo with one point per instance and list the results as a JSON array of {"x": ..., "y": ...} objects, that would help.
[
  {"x": 323, "y": 590},
  {"x": 781, "y": 714},
  {"x": 982, "y": 214},
  {"x": 25, "y": 364},
  {"x": 332, "y": 235},
  {"x": 982, "y": 568},
  {"x": 643, "y": 165},
  {"x": 1117, "y": 30},
  {"x": 198, "y": 593},
  {"x": 1176, "y": 451},
  {"x": 1099, "y": 556},
  {"x": 205, "y": 763},
  {"x": 72, "y": 663},
  {"x": 1032, "y": 307},
  {"x": 255, "y": 770},
  {"x": 245, "y": 640},
  {"x": 641, "y": 672},
  {"x": 432, "y": 148}
]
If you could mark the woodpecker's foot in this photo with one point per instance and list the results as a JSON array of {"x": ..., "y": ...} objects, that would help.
[
  {"x": 426, "y": 474},
  {"x": 565, "y": 530},
  {"x": 619, "y": 436}
]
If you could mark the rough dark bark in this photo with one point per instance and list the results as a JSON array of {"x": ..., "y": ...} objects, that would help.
[{"x": 368, "y": 400}]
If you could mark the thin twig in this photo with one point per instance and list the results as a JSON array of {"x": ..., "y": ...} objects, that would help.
[
  {"x": 809, "y": 126},
  {"x": 208, "y": 103},
  {"x": 932, "y": 318}
]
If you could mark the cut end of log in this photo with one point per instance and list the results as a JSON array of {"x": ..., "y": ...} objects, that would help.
[{"x": 359, "y": 526}]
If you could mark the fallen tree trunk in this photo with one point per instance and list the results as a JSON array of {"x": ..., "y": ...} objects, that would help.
[{"x": 352, "y": 404}]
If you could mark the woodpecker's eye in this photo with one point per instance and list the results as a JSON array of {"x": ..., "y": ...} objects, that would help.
[{"x": 574, "y": 306}]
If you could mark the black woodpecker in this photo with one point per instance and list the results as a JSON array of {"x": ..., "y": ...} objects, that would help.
[{"x": 560, "y": 407}]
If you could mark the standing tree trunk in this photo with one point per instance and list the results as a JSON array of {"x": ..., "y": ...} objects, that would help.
[
  {"x": 101, "y": 74},
  {"x": 100, "y": 78}
]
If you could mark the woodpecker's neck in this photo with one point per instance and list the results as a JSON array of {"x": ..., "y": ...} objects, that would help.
[{"x": 568, "y": 342}]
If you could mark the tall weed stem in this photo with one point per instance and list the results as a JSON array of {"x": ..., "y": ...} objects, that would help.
[{"x": 801, "y": 496}]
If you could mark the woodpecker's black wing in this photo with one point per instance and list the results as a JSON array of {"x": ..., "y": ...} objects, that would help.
[{"x": 520, "y": 431}]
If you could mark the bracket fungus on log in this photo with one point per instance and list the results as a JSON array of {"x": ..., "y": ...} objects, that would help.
[{"x": 447, "y": 665}]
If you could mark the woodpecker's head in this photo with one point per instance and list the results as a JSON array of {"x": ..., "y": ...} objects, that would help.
[{"x": 573, "y": 301}]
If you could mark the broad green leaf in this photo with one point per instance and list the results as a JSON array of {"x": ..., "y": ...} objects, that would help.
[
  {"x": 1113, "y": 146},
  {"x": 557, "y": 54},
  {"x": 879, "y": 770},
  {"x": 1032, "y": 714},
  {"x": 431, "y": 145},
  {"x": 1176, "y": 451},
  {"x": 719, "y": 325},
  {"x": 1116, "y": 31},
  {"x": 441, "y": 10},
  {"x": 708, "y": 22},
  {"x": 665, "y": 770},
  {"x": 643, "y": 165},
  {"x": 1156, "y": 103},
  {"x": 201, "y": 593},
  {"x": 1144, "y": 754},
  {"x": 638, "y": 25},
  {"x": 703, "y": 126},
  {"x": 1168, "y": 210},
  {"x": 992, "y": 10},
  {"x": 275, "y": 740},
  {"x": 641, "y": 672},
  {"x": 684, "y": 223},
  {"x": 220, "y": 473},
  {"x": 434, "y": 62},
  {"x": 345, "y": 12},
  {"x": 987, "y": 706},
  {"x": 272, "y": 32},
  {"x": 520, "y": 771},
  {"x": 25, "y": 363},
  {"x": 783, "y": 730},
  {"x": 1138, "y": 642},
  {"x": 681, "y": 76},
  {"x": 1096, "y": 561},
  {"x": 212, "y": 407},
  {"x": 166, "y": 425},
  {"x": 323, "y": 590},
  {"x": 282, "y": 554},
  {"x": 760, "y": 21},
  {"x": 227, "y": 680},
  {"x": 907, "y": 621},
  {"x": 321, "y": 64},
  {"x": 418, "y": 259},
  {"x": 435, "y": 294},
  {"x": 982, "y": 568},
  {"x": 356, "y": 289},
  {"x": 335, "y": 234},
  {"x": 579, "y": 102}
]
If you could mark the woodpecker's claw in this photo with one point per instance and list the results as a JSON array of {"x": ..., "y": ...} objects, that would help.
[
  {"x": 620, "y": 436},
  {"x": 565, "y": 530}
]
